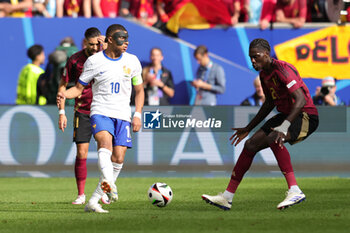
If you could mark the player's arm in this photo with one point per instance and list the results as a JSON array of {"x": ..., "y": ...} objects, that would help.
[
  {"x": 299, "y": 103},
  {"x": 139, "y": 101},
  {"x": 62, "y": 120},
  {"x": 265, "y": 109},
  {"x": 70, "y": 93}
]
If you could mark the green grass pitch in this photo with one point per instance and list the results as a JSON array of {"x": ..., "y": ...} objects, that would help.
[{"x": 43, "y": 205}]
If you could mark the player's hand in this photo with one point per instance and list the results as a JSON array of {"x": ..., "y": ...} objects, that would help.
[
  {"x": 136, "y": 124},
  {"x": 281, "y": 132},
  {"x": 280, "y": 138},
  {"x": 239, "y": 135},
  {"x": 59, "y": 98},
  {"x": 62, "y": 122},
  {"x": 101, "y": 40}
]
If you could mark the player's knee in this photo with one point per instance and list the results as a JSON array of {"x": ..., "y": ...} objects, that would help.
[
  {"x": 82, "y": 153},
  {"x": 117, "y": 158},
  {"x": 250, "y": 145}
]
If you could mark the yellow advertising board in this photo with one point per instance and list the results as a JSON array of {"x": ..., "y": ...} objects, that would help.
[{"x": 325, "y": 52}]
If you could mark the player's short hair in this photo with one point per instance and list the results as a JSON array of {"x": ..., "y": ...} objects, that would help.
[
  {"x": 261, "y": 44},
  {"x": 92, "y": 33},
  {"x": 114, "y": 27},
  {"x": 201, "y": 49},
  {"x": 34, "y": 51}
]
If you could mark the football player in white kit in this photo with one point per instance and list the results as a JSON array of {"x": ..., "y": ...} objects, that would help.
[{"x": 112, "y": 72}]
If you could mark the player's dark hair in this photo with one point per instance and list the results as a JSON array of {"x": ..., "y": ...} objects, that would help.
[
  {"x": 113, "y": 28},
  {"x": 201, "y": 49},
  {"x": 92, "y": 33},
  {"x": 34, "y": 51},
  {"x": 261, "y": 44}
]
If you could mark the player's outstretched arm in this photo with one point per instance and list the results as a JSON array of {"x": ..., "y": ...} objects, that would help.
[
  {"x": 139, "y": 101},
  {"x": 241, "y": 133}
]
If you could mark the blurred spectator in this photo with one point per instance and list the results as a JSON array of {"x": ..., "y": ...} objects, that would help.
[
  {"x": 325, "y": 95},
  {"x": 73, "y": 8},
  {"x": 28, "y": 77},
  {"x": 318, "y": 10},
  {"x": 158, "y": 80},
  {"x": 51, "y": 7},
  {"x": 106, "y": 8},
  {"x": 20, "y": 8},
  {"x": 39, "y": 8},
  {"x": 67, "y": 44},
  {"x": 291, "y": 11},
  {"x": 238, "y": 9},
  {"x": 284, "y": 11},
  {"x": 258, "y": 98},
  {"x": 255, "y": 7},
  {"x": 267, "y": 13},
  {"x": 144, "y": 11},
  {"x": 49, "y": 81},
  {"x": 165, "y": 9},
  {"x": 210, "y": 78}
]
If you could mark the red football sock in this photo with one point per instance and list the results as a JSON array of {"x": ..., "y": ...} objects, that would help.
[
  {"x": 80, "y": 174},
  {"x": 243, "y": 164},
  {"x": 284, "y": 162}
]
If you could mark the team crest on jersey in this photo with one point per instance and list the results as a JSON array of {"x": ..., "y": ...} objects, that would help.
[
  {"x": 94, "y": 126},
  {"x": 126, "y": 70}
]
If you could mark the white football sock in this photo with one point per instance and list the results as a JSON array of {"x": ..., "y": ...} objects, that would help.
[
  {"x": 228, "y": 195},
  {"x": 295, "y": 188},
  {"x": 117, "y": 167},
  {"x": 97, "y": 194},
  {"x": 105, "y": 163}
]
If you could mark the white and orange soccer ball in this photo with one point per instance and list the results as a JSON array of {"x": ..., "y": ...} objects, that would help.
[{"x": 160, "y": 194}]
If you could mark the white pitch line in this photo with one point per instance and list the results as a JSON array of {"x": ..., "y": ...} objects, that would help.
[{"x": 36, "y": 174}]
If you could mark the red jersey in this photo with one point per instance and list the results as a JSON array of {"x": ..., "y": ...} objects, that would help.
[
  {"x": 72, "y": 71},
  {"x": 110, "y": 8},
  {"x": 297, "y": 9},
  {"x": 281, "y": 82}
]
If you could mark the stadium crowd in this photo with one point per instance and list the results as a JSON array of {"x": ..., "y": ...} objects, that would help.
[{"x": 158, "y": 12}]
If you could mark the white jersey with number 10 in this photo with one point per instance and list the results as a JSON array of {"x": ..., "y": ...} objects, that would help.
[{"x": 111, "y": 83}]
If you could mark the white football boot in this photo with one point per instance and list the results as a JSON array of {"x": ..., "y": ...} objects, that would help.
[
  {"x": 80, "y": 200},
  {"x": 218, "y": 201},
  {"x": 291, "y": 199},
  {"x": 110, "y": 189},
  {"x": 97, "y": 208},
  {"x": 105, "y": 200}
]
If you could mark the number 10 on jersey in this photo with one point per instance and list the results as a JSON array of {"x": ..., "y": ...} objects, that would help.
[{"x": 115, "y": 86}]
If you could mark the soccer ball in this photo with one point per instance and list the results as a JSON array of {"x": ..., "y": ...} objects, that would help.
[{"x": 160, "y": 194}]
